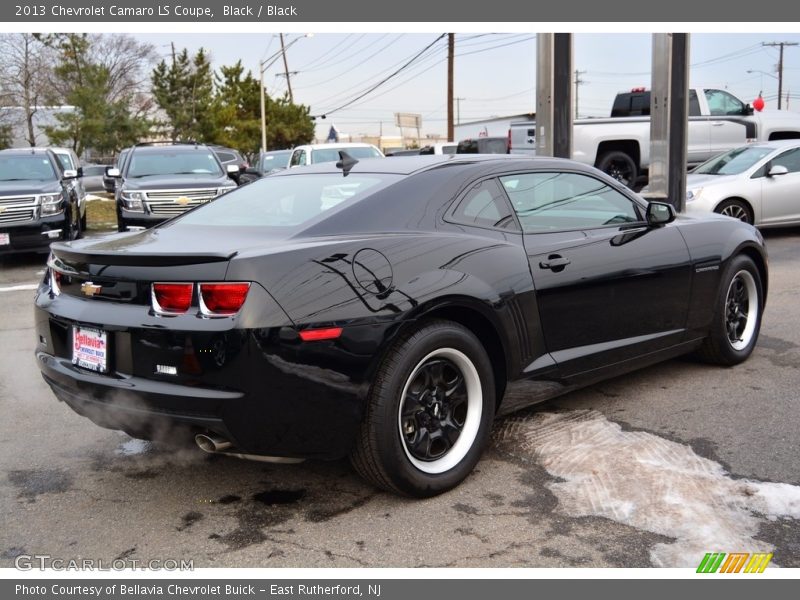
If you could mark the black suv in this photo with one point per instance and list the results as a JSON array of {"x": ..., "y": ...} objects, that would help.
[
  {"x": 159, "y": 180},
  {"x": 38, "y": 201}
]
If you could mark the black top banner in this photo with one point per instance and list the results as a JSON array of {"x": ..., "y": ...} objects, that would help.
[{"x": 411, "y": 11}]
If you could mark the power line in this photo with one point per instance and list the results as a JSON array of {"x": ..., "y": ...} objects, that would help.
[{"x": 388, "y": 78}]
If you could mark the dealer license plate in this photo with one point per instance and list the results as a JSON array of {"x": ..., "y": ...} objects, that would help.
[
  {"x": 5, "y": 239},
  {"x": 90, "y": 349}
]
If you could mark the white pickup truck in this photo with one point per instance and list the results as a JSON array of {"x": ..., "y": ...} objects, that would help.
[{"x": 620, "y": 144}]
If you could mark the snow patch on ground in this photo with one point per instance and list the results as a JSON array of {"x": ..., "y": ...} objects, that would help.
[{"x": 644, "y": 481}]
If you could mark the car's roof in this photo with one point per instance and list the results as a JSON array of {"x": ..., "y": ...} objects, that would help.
[
  {"x": 161, "y": 147},
  {"x": 777, "y": 144},
  {"x": 335, "y": 145},
  {"x": 406, "y": 165},
  {"x": 24, "y": 151}
]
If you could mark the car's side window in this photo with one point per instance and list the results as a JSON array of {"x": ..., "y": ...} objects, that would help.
[
  {"x": 548, "y": 201},
  {"x": 296, "y": 159},
  {"x": 485, "y": 206},
  {"x": 723, "y": 103},
  {"x": 789, "y": 159}
]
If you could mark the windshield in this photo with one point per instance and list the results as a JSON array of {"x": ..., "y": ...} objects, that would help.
[
  {"x": 332, "y": 154},
  {"x": 734, "y": 162},
  {"x": 286, "y": 201},
  {"x": 174, "y": 161},
  {"x": 26, "y": 168}
]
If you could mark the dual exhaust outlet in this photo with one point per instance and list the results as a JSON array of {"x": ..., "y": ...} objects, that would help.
[{"x": 214, "y": 444}]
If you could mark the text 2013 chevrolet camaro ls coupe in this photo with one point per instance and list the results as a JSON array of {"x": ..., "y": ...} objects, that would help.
[{"x": 389, "y": 309}]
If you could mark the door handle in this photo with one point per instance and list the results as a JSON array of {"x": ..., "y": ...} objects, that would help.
[
  {"x": 717, "y": 123},
  {"x": 555, "y": 262}
]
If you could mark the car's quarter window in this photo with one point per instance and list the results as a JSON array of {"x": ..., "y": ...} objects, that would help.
[
  {"x": 287, "y": 201},
  {"x": 789, "y": 159},
  {"x": 549, "y": 201},
  {"x": 296, "y": 157},
  {"x": 485, "y": 205},
  {"x": 694, "y": 104}
]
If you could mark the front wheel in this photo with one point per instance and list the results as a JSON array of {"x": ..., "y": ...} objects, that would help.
[
  {"x": 736, "y": 209},
  {"x": 429, "y": 414},
  {"x": 737, "y": 317}
]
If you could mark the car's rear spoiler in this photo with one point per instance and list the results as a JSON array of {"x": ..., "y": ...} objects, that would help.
[{"x": 137, "y": 259}]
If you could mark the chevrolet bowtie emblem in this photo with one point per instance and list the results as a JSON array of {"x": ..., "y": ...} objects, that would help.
[
  {"x": 90, "y": 289},
  {"x": 2, "y": 209},
  {"x": 183, "y": 200}
]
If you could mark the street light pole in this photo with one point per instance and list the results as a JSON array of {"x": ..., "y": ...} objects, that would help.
[
  {"x": 263, "y": 114},
  {"x": 262, "y": 67}
]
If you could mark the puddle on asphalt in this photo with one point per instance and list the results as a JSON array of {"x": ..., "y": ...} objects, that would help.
[{"x": 647, "y": 482}]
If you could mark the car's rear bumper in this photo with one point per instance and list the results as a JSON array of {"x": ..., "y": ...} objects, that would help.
[{"x": 263, "y": 389}]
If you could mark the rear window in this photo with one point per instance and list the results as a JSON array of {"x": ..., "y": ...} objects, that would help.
[
  {"x": 94, "y": 170},
  {"x": 332, "y": 154},
  {"x": 287, "y": 201},
  {"x": 170, "y": 161}
]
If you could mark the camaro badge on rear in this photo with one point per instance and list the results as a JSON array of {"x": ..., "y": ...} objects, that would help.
[{"x": 90, "y": 289}]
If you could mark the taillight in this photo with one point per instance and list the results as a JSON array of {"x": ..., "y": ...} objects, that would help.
[
  {"x": 316, "y": 335},
  {"x": 172, "y": 298},
  {"x": 222, "y": 298},
  {"x": 55, "y": 281}
]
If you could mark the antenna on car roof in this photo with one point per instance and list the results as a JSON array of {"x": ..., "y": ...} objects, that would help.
[{"x": 346, "y": 162}]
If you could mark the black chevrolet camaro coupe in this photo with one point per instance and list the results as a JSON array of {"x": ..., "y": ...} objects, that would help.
[{"x": 387, "y": 310}]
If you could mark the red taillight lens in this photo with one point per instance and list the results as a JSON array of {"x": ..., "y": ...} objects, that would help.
[
  {"x": 316, "y": 335},
  {"x": 172, "y": 297},
  {"x": 223, "y": 298},
  {"x": 55, "y": 281}
]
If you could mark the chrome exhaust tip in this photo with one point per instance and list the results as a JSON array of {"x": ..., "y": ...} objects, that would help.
[{"x": 211, "y": 443}]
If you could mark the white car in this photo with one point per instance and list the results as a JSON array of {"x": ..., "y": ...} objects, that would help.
[
  {"x": 440, "y": 148},
  {"x": 757, "y": 183},
  {"x": 312, "y": 154}
]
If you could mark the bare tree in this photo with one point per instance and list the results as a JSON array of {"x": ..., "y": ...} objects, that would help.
[{"x": 24, "y": 73}]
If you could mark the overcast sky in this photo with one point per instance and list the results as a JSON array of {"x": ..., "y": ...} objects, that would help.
[{"x": 494, "y": 73}]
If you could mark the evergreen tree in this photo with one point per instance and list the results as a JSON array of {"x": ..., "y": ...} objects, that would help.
[
  {"x": 183, "y": 89},
  {"x": 95, "y": 120}
]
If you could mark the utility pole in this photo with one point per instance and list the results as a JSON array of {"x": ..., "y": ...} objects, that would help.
[
  {"x": 286, "y": 70},
  {"x": 578, "y": 82},
  {"x": 781, "y": 45},
  {"x": 458, "y": 111},
  {"x": 451, "y": 50}
]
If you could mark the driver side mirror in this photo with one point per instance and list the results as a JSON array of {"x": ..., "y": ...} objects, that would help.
[
  {"x": 660, "y": 213},
  {"x": 112, "y": 172},
  {"x": 70, "y": 174},
  {"x": 777, "y": 170}
]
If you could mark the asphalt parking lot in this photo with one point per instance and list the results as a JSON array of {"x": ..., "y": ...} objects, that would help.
[{"x": 651, "y": 469}]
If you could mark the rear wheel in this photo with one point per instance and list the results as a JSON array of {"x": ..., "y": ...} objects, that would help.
[
  {"x": 737, "y": 318},
  {"x": 620, "y": 166},
  {"x": 736, "y": 209},
  {"x": 429, "y": 414}
]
